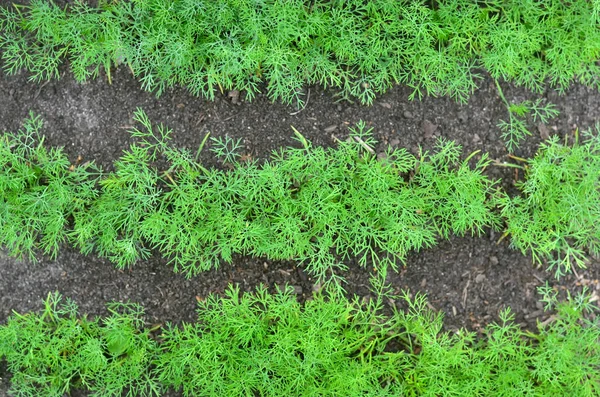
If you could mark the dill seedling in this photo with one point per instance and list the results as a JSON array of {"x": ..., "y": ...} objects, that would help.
[
  {"x": 55, "y": 351},
  {"x": 514, "y": 131},
  {"x": 40, "y": 192},
  {"x": 556, "y": 217}
]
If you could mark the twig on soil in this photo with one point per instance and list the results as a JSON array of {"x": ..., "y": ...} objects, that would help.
[
  {"x": 39, "y": 90},
  {"x": 575, "y": 273},
  {"x": 547, "y": 321},
  {"x": 539, "y": 278},
  {"x": 504, "y": 235},
  {"x": 465, "y": 293},
  {"x": 499, "y": 163}
]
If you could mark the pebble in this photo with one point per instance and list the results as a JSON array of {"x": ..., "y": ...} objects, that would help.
[
  {"x": 494, "y": 260},
  {"x": 480, "y": 278},
  {"x": 234, "y": 96},
  {"x": 429, "y": 129},
  {"x": 543, "y": 130},
  {"x": 407, "y": 114},
  {"x": 534, "y": 314}
]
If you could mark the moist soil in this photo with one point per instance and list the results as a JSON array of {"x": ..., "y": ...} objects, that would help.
[{"x": 468, "y": 279}]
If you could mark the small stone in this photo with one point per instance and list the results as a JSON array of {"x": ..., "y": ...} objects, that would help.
[
  {"x": 385, "y": 105},
  {"x": 407, "y": 115},
  {"x": 395, "y": 142},
  {"x": 423, "y": 283},
  {"x": 543, "y": 130},
  {"x": 429, "y": 129},
  {"x": 317, "y": 287},
  {"x": 480, "y": 278},
  {"x": 462, "y": 117},
  {"x": 234, "y": 95},
  {"x": 302, "y": 275},
  {"x": 297, "y": 290},
  {"x": 534, "y": 314},
  {"x": 476, "y": 138},
  {"x": 331, "y": 128},
  {"x": 494, "y": 260},
  {"x": 339, "y": 108}
]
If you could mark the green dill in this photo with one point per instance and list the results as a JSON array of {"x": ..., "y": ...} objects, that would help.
[{"x": 359, "y": 49}]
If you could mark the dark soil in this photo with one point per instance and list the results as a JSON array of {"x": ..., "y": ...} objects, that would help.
[{"x": 469, "y": 279}]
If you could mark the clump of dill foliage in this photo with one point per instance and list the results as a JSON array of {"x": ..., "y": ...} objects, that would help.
[
  {"x": 311, "y": 204},
  {"x": 314, "y": 205},
  {"x": 557, "y": 216},
  {"x": 360, "y": 48},
  {"x": 270, "y": 345}
]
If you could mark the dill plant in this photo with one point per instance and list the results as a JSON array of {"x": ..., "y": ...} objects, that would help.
[
  {"x": 40, "y": 191},
  {"x": 314, "y": 205},
  {"x": 318, "y": 206},
  {"x": 110, "y": 224},
  {"x": 556, "y": 217},
  {"x": 359, "y": 48},
  {"x": 271, "y": 345},
  {"x": 55, "y": 351},
  {"x": 268, "y": 344},
  {"x": 515, "y": 130}
]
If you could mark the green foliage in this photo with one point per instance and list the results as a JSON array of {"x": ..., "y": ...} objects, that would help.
[
  {"x": 40, "y": 191},
  {"x": 55, "y": 351},
  {"x": 303, "y": 203},
  {"x": 270, "y": 345},
  {"x": 459, "y": 197},
  {"x": 515, "y": 130},
  {"x": 311, "y": 204},
  {"x": 110, "y": 224},
  {"x": 557, "y": 217},
  {"x": 315, "y": 205},
  {"x": 360, "y": 48}
]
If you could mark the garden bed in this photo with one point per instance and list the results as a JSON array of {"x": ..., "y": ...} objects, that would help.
[{"x": 468, "y": 279}]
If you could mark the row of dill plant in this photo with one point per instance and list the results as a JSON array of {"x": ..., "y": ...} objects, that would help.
[
  {"x": 360, "y": 48},
  {"x": 268, "y": 344},
  {"x": 318, "y": 206}
]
